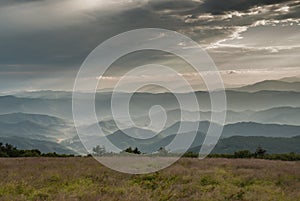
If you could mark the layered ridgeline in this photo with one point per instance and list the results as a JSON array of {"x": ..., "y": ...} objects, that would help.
[
  {"x": 263, "y": 114},
  {"x": 35, "y": 131},
  {"x": 269, "y": 85}
]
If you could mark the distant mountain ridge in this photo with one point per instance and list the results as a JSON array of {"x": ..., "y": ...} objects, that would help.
[
  {"x": 291, "y": 79},
  {"x": 271, "y": 85},
  {"x": 35, "y": 118},
  {"x": 272, "y": 145},
  {"x": 42, "y": 145},
  {"x": 45, "y": 117},
  {"x": 62, "y": 107},
  {"x": 243, "y": 129},
  {"x": 35, "y": 126}
]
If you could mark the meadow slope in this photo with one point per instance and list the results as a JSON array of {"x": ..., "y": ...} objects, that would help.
[{"x": 188, "y": 179}]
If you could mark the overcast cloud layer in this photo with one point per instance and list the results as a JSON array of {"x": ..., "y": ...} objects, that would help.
[{"x": 44, "y": 42}]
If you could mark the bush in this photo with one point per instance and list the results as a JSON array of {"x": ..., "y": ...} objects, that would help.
[
  {"x": 243, "y": 154},
  {"x": 132, "y": 151},
  {"x": 190, "y": 155}
]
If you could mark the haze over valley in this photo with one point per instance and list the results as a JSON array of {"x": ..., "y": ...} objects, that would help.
[{"x": 257, "y": 115}]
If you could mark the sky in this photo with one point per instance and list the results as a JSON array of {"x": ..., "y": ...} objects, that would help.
[{"x": 44, "y": 42}]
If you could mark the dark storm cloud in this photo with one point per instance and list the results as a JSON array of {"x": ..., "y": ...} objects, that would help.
[
  {"x": 69, "y": 44},
  {"x": 44, "y": 47},
  {"x": 14, "y": 2},
  {"x": 40, "y": 37},
  {"x": 210, "y": 6},
  {"x": 218, "y": 7}
]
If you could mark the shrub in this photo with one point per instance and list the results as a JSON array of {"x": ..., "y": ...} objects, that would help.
[{"x": 243, "y": 154}]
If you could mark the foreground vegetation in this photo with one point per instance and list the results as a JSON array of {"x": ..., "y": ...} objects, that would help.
[{"x": 189, "y": 179}]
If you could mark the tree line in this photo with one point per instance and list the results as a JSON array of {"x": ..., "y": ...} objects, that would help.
[
  {"x": 8, "y": 150},
  {"x": 260, "y": 153}
]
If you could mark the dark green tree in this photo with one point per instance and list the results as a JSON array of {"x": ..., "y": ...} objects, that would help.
[
  {"x": 132, "y": 151},
  {"x": 260, "y": 152},
  {"x": 136, "y": 151},
  {"x": 128, "y": 150}
]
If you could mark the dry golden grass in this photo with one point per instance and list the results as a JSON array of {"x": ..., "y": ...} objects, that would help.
[{"x": 188, "y": 179}]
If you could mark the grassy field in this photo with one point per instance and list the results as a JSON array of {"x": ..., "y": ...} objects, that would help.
[{"x": 188, "y": 179}]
